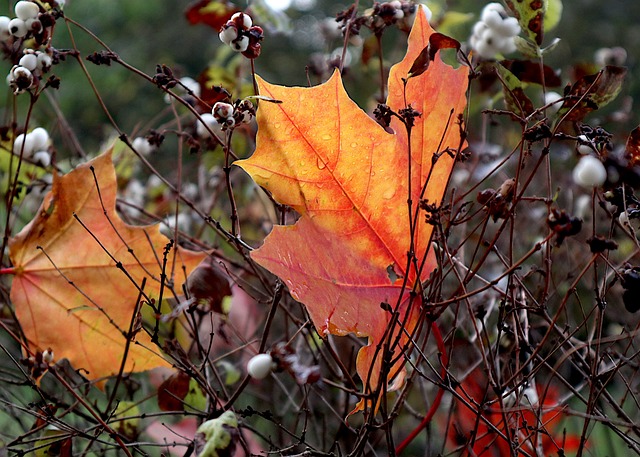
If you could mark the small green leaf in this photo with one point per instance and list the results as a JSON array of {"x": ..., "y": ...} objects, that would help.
[
  {"x": 129, "y": 426},
  {"x": 230, "y": 371},
  {"x": 195, "y": 400},
  {"x": 217, "y": 437}
]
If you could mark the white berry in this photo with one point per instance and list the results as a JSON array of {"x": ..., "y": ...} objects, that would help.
[
  {"x": 260, "y": 366},
  {"x": 43, "y": 158},
  {"x": 33, "y": 25},
  {"x": 552, "y": 97},
  {"x": 623, "y": 218},
  {"x": 39, "y": 137},
  {"x": 207, "y": 120},
  {"x": 589, "y": 172},
  {"x": 26, "y": 10},
  {"x": 508, "y": 27},
  {"x": 191, "y": 85},
  {"x": 44, "y": 61},
  {"x": 491, "y": 17},
  {"x": 18, "y": 28},
  {"x": 4, "y": 28},
  {"x": 246, "y": 20},
  {"x": 222, "y": 110},
  {"x": 240, "y": 45},
  {"x": 228, "y": 34},
  {"x": 23, "y": 144},
  {"x": 29, "y": 61},
  {"x": 141, "y": 145}
]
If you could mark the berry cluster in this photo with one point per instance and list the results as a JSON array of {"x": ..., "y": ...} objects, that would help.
[
  {"x": 396, "y": 12},
  {"x": 241, "y": 35},
  {"x": 30, "y": 23},
  {"x": 34, "y": 145},
  {"x": 228, "y": 115},
  {"x": 494, "y": 33}
]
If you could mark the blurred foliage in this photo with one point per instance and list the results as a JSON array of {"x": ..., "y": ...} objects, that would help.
[{"x": 146, "y": 34}]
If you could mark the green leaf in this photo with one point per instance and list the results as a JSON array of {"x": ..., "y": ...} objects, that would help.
[
  {"x": 553, "y": 14},
  {"x": 128, "y": 427},
  {"x": 217, "y": 437},
  {"x": 531, "y": 15},
  {"x": 195, "y": 400}
]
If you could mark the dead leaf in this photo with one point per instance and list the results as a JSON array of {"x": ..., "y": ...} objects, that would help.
[
  {"x": 68, "y": 291},
  {"x": 592, "y": 92},
  {"x": 632, "y": 147},
  {"x": 213, "y": 13},
  {"x": 319, "y": 153}
]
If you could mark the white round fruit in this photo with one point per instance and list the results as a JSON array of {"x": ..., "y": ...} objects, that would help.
[{"x": 260, "y": 366}]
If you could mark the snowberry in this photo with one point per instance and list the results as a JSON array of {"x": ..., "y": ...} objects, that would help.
[
  {"x": 494, "y": 33},
  {"x": 589, "y": 172},
  {"x": 18, "y": 28},
  {"x": 26, "y": 10},
  {"x": 222, "y": 110},
  {"x": 494, "y": 7},
  {"x": 244, "y": 112},
  {"x": 18, "y": 145},
  {"x": 228, "y": 34},
  {"x": 47, "y": 355},
  {"x": 207, "y": 120},
  {"x": 623, "y": 218},
  {"x": 191, "y": 84},
  {"x": 33, "y": 25},
  {"x": 5, "y": 34},
  {"x": 491, "y": 17},
  {"x": 44, "y": 61},
  {"x": 246, "y": 19},
  {"x": 43, "y": 158},
  {"x": 240, "y": 45},
  {"x": 508, "y": 27},
  {"x": 29, "y": 61},
  {"x": 20, "y": 79},
  {"x": 260, "y": 366},
  {"x": 143, "y": 146},
  {"x": 610, "y": 56},
  {"x": 552, "y": 98},
  {"x": 39, "y": 138}
]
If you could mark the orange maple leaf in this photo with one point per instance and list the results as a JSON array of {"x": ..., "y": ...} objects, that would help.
[
  {"x": 70, "y": 290},
  {"x": 319, "y": 153}
]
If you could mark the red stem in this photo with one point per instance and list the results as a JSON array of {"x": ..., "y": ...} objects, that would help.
[
  {"x": 444, "y": 360},
  {"x": 7, "y": 271}
]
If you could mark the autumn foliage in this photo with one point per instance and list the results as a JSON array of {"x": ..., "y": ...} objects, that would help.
[
  {"x": 350, "y": 179},
  {"x": 81, "y": 275}
]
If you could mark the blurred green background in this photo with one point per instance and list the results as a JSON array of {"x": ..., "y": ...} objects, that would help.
[{"x": 149, "y": 33}]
